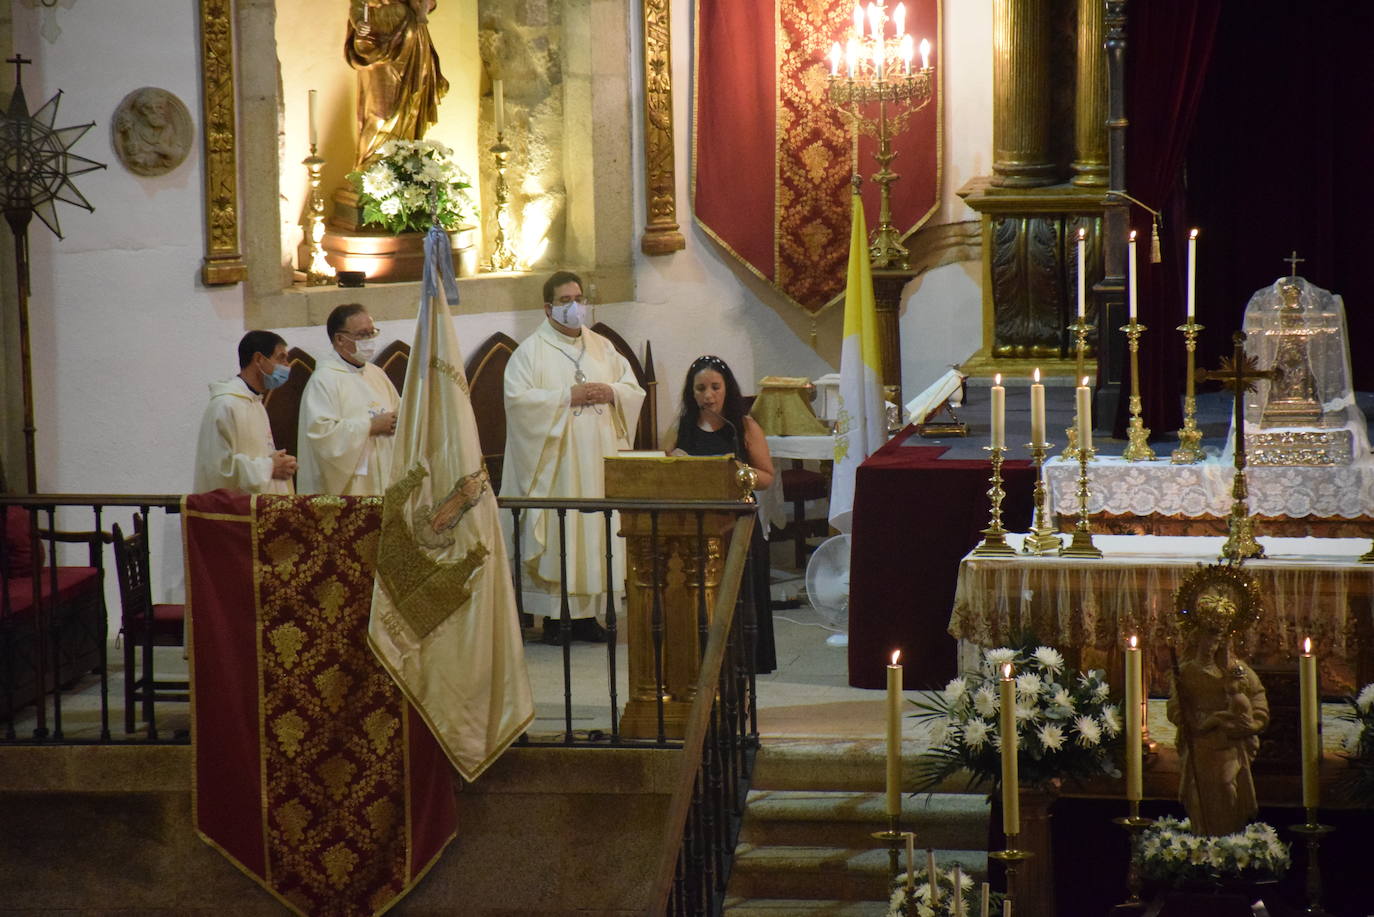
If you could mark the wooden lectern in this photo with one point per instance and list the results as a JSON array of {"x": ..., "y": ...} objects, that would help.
[{"x": 687, "y": 597}]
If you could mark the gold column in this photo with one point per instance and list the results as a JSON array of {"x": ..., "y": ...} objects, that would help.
[
  {"x": 223, "y": 262},
  {"x": 887, "y": 302},
  {"x": 1021, "y": 94},
  {"x": 661, "y": 233},
  {"x": 1090, "y": 101}
]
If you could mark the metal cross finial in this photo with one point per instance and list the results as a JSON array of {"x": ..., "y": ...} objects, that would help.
[
  {"x": 1293, "y": 262},
  {"x": 18, "y": 60}
]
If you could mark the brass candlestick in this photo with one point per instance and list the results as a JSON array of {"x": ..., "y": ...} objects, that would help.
[
  {"x": 1082, "y": 543},
  {"x": 1134, "y": 824},
  {"x": 1314, "y": 832},
  {"x": 1368, "y": 556},
  {"x": 1011, "y": 858},
  {"x": 502, "y": 255},
  {"x": 1138, "y": 450},
  {"x": 994, "y": 536},
  {"x": 1080, "y": 329},
  {"x": 1189, "y": 448},
  {"x": 319, "y": 272},
  {"x": 1043, "y": 538},
  {"x": 894, "y": 838}
]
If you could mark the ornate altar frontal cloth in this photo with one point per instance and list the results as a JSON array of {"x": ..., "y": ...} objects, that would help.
[
  {"x": 312, "y": 773},
  {"x": 772, "y": 155}
]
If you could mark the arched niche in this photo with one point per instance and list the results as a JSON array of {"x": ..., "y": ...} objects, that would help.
[{"x": 284, "y": 48}]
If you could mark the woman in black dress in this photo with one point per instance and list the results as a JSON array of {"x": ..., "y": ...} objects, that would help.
[{"x": 713, "y": 422}]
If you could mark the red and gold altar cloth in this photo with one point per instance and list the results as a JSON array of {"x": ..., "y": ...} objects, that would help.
[
  {"x": 772, "y": 156},
  {"x": 312, "y": 773}
]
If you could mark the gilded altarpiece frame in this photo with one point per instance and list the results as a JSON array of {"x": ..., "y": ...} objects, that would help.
[{"x": 243, "y": 109}]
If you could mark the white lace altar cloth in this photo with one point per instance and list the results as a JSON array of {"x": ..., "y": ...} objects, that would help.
[
  {"x": 1311, "y": 587},
  {"x": 1161, "y": 488}
]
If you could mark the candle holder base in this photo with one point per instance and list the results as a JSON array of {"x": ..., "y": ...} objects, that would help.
[
  {"x": 1368, "y": 556},
  {"x": 1042, "y": 538},
  {"x": 1012, "y": 859},
  {"x": 1138, "y": 449},
  {"x": 1314, "y": 832},
  {"x": 1134, "y": 825},
  {"x": 1044, "y": 543},
  {"x": 994, "y": 536},
  {"x": 1081, "y": 546},
  {"x": 894, "y": 839},
  {"x": 1189, "y": 451},
  {"x": 994, "y": 544}
]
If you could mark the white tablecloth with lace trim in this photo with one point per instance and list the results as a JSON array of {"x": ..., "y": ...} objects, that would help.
[
  {"x": 1160, "y": 488},
  {"x": 1311, "y": 586}
]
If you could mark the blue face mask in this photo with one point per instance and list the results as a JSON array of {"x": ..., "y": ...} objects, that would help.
[{"x": 277, "y": 377}]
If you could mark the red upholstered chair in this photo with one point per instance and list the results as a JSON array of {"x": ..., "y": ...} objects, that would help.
[{"x": 144, "y": 625}]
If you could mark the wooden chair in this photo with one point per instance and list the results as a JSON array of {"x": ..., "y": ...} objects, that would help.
[
  {"x": 800, "y": 486},
  {"x": 283, "y": 403},
  {"x": 646, "y": 434},
  {"x": 393, "y": 360},
  {"x": 144, "y": 625},
  {"x": 486, "y": 370}
]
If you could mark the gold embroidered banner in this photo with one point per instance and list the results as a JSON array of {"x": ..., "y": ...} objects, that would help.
[
  {"x": 772, "y": 155},
  {"x": 312, "y": 772}
]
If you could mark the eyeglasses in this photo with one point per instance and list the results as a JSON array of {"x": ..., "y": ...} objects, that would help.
[
  {"x": 569, "y": 300},
  {"x": 361, "y": 335}
]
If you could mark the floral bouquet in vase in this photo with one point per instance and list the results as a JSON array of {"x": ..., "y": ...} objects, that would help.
[
  {"x": 413, "y": 184},
  {"x": 937, "y": 899},
  {"x": 1357, "y": 783},
  {"x": 1169, "y": 852},
  {"x": 1067, "y": 725}
]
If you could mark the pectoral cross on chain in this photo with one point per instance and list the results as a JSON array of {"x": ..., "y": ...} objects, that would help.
[{"x": 1239, "y": 373}]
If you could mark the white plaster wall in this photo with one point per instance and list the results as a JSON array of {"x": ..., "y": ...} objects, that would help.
[{"x": 125, "y": 338}]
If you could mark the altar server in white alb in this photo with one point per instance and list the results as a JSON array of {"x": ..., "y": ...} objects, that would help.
[
  {"x": 348, "y": 412},
  {"x": 571, "y": 400},
  {"x": 235, "y": 450}
]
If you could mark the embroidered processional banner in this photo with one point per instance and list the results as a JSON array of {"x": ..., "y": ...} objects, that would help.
[
  {"x": 312, "y": 773},
  {"x": 772, "y": 155}
]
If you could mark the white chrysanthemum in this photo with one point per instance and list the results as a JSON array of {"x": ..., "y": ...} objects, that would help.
[
  {"x": 379, "y": 182},
  {"x": 1102, "y": 691},
  {"x": 1051, "y": 736},
  {"x": 985, "y": 701},
  {"x": 1366, "y": 699},
  {"x": 1089, "y": 733},
  {"x": 996, "y": 658},
  {"x": 1026, "y": 713},
  {"x": 939, "y": 732},
  {"x": 955, "y": 691},
  {"x": 391, "y": 206},
  {"x": 1063, "y": 700},
  {"x": 1050, "y": 658},
  {"x": 1028, "y": 684},
  {"x": 976, "y": 733},
  {"x": 1111, "y": 720}
]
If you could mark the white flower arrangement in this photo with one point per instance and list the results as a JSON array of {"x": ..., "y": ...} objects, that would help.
[
  {"x": 1170, "y": 852},
  {"x": 1065, "y": 723},
  {"x": 943, "y": 905},
  {"x": 1357, "y": 783},
  {"x": 411, "y": 184}
]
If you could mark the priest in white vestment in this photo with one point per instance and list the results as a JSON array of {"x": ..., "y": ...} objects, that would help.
[
  {"x": 571, "y": 400},
  {"x": 235, "y": 450},
  {"x": 348, "y": 413}
]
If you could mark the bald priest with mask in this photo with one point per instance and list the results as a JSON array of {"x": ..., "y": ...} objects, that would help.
[
  {"x": 235, "y": 450},
  {"x": 348, "y": 412}
]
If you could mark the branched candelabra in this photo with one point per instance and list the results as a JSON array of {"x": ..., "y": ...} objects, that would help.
[
  {"x": 877, "y": 68},
  {"x": 502, "y": 255},
  {"x": 319, "y": 272}
]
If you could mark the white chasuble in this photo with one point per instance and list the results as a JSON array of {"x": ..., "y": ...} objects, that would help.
[
  {"x": 443, "y": 618},
  {"x": 338, "y": 454},
  {"x": 556, "y": 450},
  {"x": 234, "y": 451}
]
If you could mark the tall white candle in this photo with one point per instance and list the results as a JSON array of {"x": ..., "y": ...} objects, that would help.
[
  {"x": 498, "y": 97},
  {"x": 894, "y": 736},
  {"x": 999, "y": 412},
  {"x": 899, "y": 19},
  {"x": 931, "y": 876},
  {"x": 1311, "y": 722},
  {"x": 958, "y": 891},
  {"x": 1082, "y": 283},
  {"x": 1011, "y": 795},
  {"x": 925, "y": 54},
  {"x": 314, "y": 137},
  {"x": 910, "y": 861},
  {"x": 987, "y": 901},
  {"x": 1085, "y": 415},
  {"x": 1133, "y": 725},
  {"x": 1192, "y": 274},
  {"x": 1037, "y": 408},
  {"x": 1130, "y": 276}
]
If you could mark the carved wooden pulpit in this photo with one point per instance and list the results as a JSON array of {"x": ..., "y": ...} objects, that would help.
[{"x": 674, "y": 562}]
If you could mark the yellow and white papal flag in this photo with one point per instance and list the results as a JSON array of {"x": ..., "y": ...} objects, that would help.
[
  {"x": 444, "y": 621},
  {"x": 861, "y": 422}
]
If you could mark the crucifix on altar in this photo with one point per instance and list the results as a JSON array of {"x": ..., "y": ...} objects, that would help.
[{"x": 1239, "y": 373}]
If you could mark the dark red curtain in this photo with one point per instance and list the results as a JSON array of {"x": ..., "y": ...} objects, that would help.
[
  {"x": 1280, "y": 161},
  {"x": 1169, "y": 51}
]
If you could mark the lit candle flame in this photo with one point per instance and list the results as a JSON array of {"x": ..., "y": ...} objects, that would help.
[
  {"x": 859, "y": 18},
  {"x": 997, "y": 379},
  {"x": 1006, "y": 670},
  {"x": 835, "y": 55},
  {"x": 875, "y": 21},
  {"x": 906, "y": 54},
  {"x": 1307, "y": 646},
  {"x": 1085, "y": 381},
  {"x": 1082, "y": 233},
  {"x": 1036, "y": 375},
  {"x": 899, "y": 19},
  {"x": 1133, "y": 641},
  {"x": 896, "y": 654},
  {"x": 1193, "y": 234},
  {"x": 925, "y": 54},
  {"x": 1132, "y": 235}
]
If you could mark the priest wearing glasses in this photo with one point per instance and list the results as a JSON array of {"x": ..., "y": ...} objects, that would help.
[
  {"x": 571, "y": 400},
  {"x": 348, "y": 412}
]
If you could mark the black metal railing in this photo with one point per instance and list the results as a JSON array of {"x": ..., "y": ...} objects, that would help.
[{"x": 54, "y": 616}]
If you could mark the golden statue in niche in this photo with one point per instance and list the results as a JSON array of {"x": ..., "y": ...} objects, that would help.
[
  {"x": 399, "y": 80},
  {"x": 1217, "y": 702}
]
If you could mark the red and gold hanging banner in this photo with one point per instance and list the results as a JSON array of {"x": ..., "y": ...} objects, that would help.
[
  {"x": 312, "y": 773},
  {"x": 772, "y": 155}
]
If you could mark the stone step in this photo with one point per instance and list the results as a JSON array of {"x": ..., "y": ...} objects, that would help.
[
  {"x": 848, "y": 819},
  {"x": 856, "y": 765},
  {"x": 800, "y": 907},
  {"x": 828, "y": 873}
]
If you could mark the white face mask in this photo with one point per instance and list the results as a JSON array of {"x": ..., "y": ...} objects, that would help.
[
  {"x": 569, "y": 315},
  {"x": 366, "y": 350}
]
